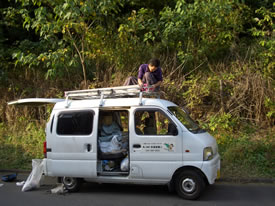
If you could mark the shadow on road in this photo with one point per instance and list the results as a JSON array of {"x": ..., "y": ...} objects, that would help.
[{"x": 218, "y": 192}]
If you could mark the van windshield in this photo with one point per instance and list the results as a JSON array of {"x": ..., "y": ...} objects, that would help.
[{"x": 185, "y": 119}]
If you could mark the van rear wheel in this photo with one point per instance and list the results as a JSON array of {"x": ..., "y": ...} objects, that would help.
[
  {"x": 72, "y": 184},
  {"x": 189, "y": 185}
]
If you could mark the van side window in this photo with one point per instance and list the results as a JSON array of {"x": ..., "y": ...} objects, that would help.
[
  {"x": 154, "y": 122},
  {"x": 75, "y": 123}
]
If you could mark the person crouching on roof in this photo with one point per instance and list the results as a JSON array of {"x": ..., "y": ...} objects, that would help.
[{"x": 148, "y": 75}]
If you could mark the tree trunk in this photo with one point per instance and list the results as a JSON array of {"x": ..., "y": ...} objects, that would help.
[
  {"x": 84, "y": 74},
  {"x": 222, "y": 96}
]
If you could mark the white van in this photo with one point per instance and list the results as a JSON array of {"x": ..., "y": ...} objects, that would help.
[{"x": 110, "y": 135}]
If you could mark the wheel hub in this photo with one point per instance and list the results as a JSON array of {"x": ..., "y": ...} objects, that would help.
[
  {"x": 69, "y": 181},
  {"x": 188, "y": 185}
]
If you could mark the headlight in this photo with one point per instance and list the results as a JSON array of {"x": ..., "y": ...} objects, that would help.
[{"x": 208, "y": 153}]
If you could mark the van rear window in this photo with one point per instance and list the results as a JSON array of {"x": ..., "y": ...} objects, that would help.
[{"x": 75, "y": 123}]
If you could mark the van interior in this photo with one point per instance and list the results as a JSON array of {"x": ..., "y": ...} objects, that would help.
[{"x": 113, "y": 143}]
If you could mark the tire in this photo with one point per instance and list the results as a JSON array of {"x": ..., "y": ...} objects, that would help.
[
  {"x": 71, "y": 184},
  {"x": 189, "y": 185}
]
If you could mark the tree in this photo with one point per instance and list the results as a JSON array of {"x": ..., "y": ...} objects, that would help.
[
  {"x": 264, "y": 31},
  {"x": 66, "y": 27},
  {"x": 201, "y": 29}
]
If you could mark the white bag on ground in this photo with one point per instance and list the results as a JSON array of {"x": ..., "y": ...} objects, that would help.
[
  {"x": 60, "y": 189},
  {"x": 33, "y": 180}
]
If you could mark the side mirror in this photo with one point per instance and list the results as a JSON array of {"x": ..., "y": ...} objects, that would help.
[{"x": 186, "y": 110}]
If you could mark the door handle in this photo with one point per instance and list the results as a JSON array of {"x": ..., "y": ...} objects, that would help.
[
  {"x": 89, "y": 147},
  {"x": 136, "y": 146}
]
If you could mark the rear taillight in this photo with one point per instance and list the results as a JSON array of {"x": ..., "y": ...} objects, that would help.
[{"x": 45, "y": 149}]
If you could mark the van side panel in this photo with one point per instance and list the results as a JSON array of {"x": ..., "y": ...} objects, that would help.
[
  {"x": 72, "y": 155},
  {"x": 154, "y": 169},
  {"x": 70, "y": 168}
]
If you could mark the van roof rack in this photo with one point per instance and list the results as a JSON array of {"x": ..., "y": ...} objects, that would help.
[{"x": 111, "y": 92}]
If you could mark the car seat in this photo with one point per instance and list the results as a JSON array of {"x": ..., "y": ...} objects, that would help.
[{"x": 149, "y": 128}]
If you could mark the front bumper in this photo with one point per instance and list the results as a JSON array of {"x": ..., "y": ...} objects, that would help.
[{"x": 211, "y": 169}]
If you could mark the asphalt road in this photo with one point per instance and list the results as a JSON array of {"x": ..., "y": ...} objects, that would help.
[{"x": 133, "y": 195}]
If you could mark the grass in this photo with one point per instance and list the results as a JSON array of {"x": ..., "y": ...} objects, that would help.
[
  {"x": 247, "y": 154},
  {"x": 20, "y": 143}
]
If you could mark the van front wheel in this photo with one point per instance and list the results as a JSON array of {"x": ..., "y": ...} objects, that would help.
[
  {"x": 71, "y": 184},
  {"x": 189, "y": 185}
]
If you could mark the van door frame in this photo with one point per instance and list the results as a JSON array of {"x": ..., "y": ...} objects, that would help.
[{"x": 113, "y": 109}]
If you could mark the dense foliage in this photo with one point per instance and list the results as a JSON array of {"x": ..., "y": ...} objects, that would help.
[{"x": 217, "y": 58}]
